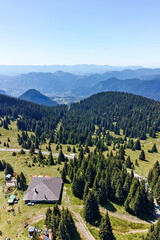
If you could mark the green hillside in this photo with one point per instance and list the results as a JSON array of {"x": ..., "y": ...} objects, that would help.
[{"x": 107, "y": 134}]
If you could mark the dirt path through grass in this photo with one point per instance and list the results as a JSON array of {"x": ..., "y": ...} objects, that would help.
[
  {"x": 79, "y": 222},
  {"x": 126, "y": 217},
  {"x": 70, "y": 156}
]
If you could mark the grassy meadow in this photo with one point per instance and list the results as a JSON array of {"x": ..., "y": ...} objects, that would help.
[{"x": 35, "y": 215}]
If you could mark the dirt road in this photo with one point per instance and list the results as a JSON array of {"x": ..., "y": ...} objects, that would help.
[{"x": 70, "y": 156}]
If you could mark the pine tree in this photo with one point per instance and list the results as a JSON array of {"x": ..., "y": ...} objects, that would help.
[
  {"x": 49, "y": 147},
  {"x": 64, "y": 173},
  {"x": 74, "y": 149},
  {"x": 32, "y": 149},
  {"x": 62, "y": 233},
  {"x": 136, "y": 207},
  {"x": 136, "y": 163},
  {"x": 1, "y": 166},
  {"x": 154, "y": 148},
  {"x": 119, "y": 193},
  {"x": 121, "y": 152},
  {"x": 78, "y": 185},
  {"x": 105, "y": 232},
  {"x": 127, "y": 184},
  {"x": 157, "y": 191},
  {"x": 56, "y": 210},
  {"x": 61, "y": 157},
  {"x": 91, "y": 209},
  {"x": 68, "y": 148},
  {"x": 142, "y": 155},
  {"x": 9, "y": 169},
  {"x": 50, "y": 159},
  {"x": 22, "y": 181},
  {"x": 40, "y": 156},
  {"x": 48, "y": 218},
  {"x": 137, "y": 145},
  {"x": 86, "y": 191},
  {"x": 128, "y": 162},
  {"x": 126, "y": 205}
]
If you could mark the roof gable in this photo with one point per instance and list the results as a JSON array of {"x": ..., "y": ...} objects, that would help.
[{"x": 44, "y": 189}]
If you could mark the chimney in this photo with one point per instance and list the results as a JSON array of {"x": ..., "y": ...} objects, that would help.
[
  {"x": 50, "y": 234},
  {"x": 36, "y": 190}
]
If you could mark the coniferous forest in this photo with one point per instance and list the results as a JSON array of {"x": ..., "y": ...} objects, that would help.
[
  {"x": 114, "y": 111},
  {"x": 96, "y": 177}
]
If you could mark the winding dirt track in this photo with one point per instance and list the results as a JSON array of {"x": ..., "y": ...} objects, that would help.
[
  {"x": 126, "y": 217},
  {"x": 81, "y": 226},
  {"x": 79, "y": 222}
]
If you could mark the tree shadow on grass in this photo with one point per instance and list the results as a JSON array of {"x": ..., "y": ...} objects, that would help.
[
  {"x": 97, "y": 222},
  {"x": 109, "y": 206}
]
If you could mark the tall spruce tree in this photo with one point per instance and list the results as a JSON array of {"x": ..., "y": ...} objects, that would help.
[
  {"x": 154, "y": 148},
  {"x": 61, "y": 157},
  {"x": 50, "y": 159},
  {"x": 137, "y": 145},
  {"x": 62, "y": 233},
  {"x": 91, "y": 209},
  {"x": 142, "y": 155},
  {"x": 105, "y": 232},
  {"x": 8, "y": 169}
]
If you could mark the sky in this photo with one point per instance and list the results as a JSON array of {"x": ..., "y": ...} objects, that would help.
[{"x": 102, "y": 32}]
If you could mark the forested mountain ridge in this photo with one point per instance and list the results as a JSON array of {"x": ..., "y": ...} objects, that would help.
[
  {"x": 30, "y": 116},
  {"x": 135, "y": 115},
  {"x": 146, "y": 88}
]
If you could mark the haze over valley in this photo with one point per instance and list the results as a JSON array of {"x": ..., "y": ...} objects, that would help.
[{"x": 68, "y": 87}]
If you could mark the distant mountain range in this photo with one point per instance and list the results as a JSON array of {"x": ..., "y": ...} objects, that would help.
[
  {"x": 35, "y": 96},
  {"x": 144, "y": 81},
  {"x": 150, "y": 89},
  {"x": 80, "y": 69}
]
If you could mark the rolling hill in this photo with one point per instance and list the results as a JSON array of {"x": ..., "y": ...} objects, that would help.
[{"x": 35, "y": 96}]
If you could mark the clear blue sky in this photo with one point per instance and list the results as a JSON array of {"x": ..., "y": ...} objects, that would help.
[{"x": 113, "y": 32}]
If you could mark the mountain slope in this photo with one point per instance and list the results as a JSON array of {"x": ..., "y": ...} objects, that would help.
[
  {"x": 135, "y": 115},
  {"x": 148, "y": 88},
  {"x": 66, "y": 84},
  {"x": 35, "y": 96}
]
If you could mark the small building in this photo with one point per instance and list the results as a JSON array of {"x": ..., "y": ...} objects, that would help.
[{"x": 44, "y": 190}]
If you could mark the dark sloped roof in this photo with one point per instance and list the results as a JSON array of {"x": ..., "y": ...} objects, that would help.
[{"x": 44, "y": 189}]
